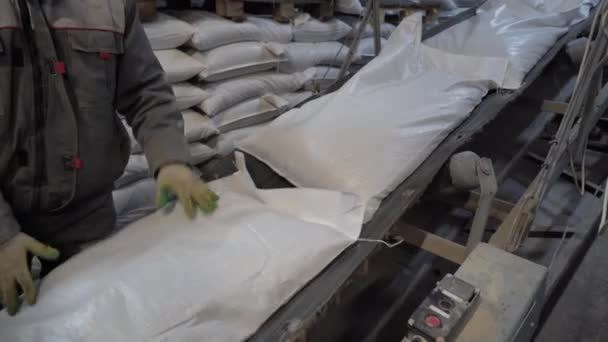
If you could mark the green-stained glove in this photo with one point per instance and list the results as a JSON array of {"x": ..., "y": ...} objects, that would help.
[
  {"x": 14, "y": 269},
  {"x": 191, "y": 191}
]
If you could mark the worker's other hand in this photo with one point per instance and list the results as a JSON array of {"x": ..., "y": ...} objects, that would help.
[
  {"x": 191, "y": 191},
  {"x": 14, "y": 270}
]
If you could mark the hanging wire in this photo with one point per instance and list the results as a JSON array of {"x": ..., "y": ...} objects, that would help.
[
  {"x": 357, "y": 37},
  {"x": 604, "y": 207}
]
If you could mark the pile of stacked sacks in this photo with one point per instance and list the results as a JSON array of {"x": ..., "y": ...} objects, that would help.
[
  {"x": 231, "y": 79},
  {"x": 253, "y": 70}
]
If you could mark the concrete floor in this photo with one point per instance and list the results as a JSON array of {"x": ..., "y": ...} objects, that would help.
[{"x": 581, "y": 313}]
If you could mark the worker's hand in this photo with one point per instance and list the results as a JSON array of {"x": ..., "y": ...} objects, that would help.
[
  {"x": 14, "y": 270},
  {"x": 191, "y": 191}
]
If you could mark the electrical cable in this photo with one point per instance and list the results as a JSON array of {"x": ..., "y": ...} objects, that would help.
[{"x": 604, "y": 207}]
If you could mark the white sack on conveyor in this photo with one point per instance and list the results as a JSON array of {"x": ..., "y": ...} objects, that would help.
[
  {"x": 213, "y": 31},
  {"x": 349, "y": 6},
  {"x": 136, "y": 170},
  {"x": 135, "y": 201},
  {"x": 167, "y": 32},
  {"x": 301, "y": 56},
  {"x": 177, "y": 65},
  {"x": 197, "y": 126},
  {"x": 519, "y": 31},
  {"x": 218, "y": 277},
  {"x": 309, "y": 29},
  {"x": 367, "y": 48},
  {"x": 200, "y": 153},
  {"x": 370, "y": 135},
  {"x": 188, "y": 95},
  {"x": 224, "y": 144},
  {"x": 238, "y": 59},
  {"x": 225, "y": 94},
  {"x": 323, "y": 78},
  {"x": 249, "y": 113},
  {"x": 296, "y": 98}
]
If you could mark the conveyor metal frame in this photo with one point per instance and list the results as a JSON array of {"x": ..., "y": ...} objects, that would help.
[{"x": 291, "y": 322}]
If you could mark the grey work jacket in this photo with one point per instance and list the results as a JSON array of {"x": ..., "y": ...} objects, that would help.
[{"x": 66, "y": 68}]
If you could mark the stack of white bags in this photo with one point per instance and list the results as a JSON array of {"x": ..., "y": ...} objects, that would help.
[
  {"x": 166, "y": 34},
  {"x": 230, "y": 79},
  {"x": 248, "y": 72}
]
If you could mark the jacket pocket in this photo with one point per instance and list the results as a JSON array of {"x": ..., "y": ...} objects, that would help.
[
  {"x": 101, "y": 150},
  {"x": 93, "y": 65}
]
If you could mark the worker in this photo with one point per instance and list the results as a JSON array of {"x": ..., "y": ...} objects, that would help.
[{"x": 66, "y": 68}]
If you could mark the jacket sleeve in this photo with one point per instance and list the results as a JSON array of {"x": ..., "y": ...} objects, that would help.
[
  {"x": 9, "y": 227},
  {"x": 147, "y": 101}
]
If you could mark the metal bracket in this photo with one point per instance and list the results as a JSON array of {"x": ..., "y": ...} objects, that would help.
[
  {"x": 451, "y": 250},
  {"x": 488, "y": 187}
]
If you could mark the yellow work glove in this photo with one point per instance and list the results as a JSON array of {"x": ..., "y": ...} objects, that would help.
[
  {"x": 191, "y": 191},
  {"x": 14, "y": 270}
]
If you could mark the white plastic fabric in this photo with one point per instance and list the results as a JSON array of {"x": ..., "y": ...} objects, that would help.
[
  {"x": 188, "y": 95},
  {"x": 309, "y": 29},
  {"x": 518, "y": 31},
  {"x": 367, "y": 47},
  {"x": 197, "y": 126},
  {"x": 349, "y": 7},
  {"x": 296, "y": 98},
  {"x": 249, "y": 113},
  {"x": 177, "y": 65},
  {"x": 225, "y": 94},
  {"x": 215, "y": 278},
  {"x": 212, "y": 30},
  {"x": 239, "y": 59},
  {"x": 134, "y": 201},
  {"x": 136, "y": 170},
  {"x": 135, "y": 147},
  {"x": 226, "y": 143},
  {"x": 301, "y": 56},
  {"x": 167, "y": 32},
  {"x": 200, "y": 153},
  {"x": 370, "y": 135}
]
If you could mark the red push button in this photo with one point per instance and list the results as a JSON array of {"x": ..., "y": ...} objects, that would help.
[{"x": 432, "y": 321}]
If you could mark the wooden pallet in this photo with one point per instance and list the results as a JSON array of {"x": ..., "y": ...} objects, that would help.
[
  {"x": 146, "y": 9},
  {"x": 282, "y": 10}
]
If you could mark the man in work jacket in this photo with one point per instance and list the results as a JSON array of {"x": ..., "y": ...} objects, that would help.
[{"x": 66, "y": 68}]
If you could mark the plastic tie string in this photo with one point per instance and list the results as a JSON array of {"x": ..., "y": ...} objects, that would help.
[{"x": 398, "y": 241}]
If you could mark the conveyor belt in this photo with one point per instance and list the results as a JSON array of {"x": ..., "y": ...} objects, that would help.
[{"x": 305, "y": 305}]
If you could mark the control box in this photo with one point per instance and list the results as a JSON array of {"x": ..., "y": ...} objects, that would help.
[{"x": 444, "y": 312}]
